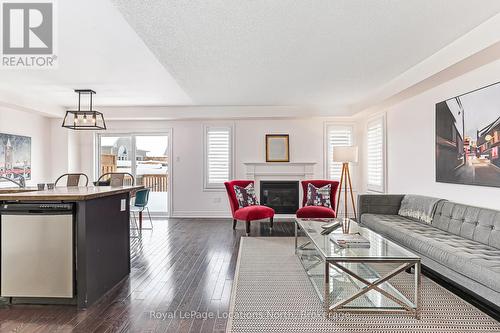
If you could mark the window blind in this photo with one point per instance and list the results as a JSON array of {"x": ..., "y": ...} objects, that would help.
[
  {"x": 375, "y": 155},
  {"x": 218, "y": 156},
  {"x": 336, "y": 136}
]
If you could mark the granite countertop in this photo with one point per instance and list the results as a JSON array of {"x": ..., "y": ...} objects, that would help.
[
  {"x": 64, "y": 193},
  {"x": 16, "y": 189}
]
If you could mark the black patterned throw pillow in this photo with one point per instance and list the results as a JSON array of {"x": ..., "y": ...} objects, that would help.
[
  {"x": 246, "y": 196},
  {"x": 319, "y": 196}
]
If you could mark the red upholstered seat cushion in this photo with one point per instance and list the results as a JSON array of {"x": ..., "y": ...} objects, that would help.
[
  {"x": 316, "y": 212},
  {"x": 251, "y": 213}
]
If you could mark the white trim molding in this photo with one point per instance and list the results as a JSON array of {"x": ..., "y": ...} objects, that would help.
[
  {"x": 303, "y": 170},
  {"x": 201, "y": 214}
]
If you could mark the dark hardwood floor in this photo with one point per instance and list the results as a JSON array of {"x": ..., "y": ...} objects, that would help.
[{"x": 181, "y": 270}]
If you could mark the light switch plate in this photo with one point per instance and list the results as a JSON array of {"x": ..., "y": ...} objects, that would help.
[{"x": 123, "y": 205}]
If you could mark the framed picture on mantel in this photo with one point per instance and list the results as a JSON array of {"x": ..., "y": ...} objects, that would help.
[{"x": 277, "y": 148}]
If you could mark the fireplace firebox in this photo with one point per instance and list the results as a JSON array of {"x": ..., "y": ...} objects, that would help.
[{"x": 282, "y": 196}]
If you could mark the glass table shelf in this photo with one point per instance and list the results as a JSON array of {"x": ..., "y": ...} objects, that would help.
[{"x": 349, "y": 279}]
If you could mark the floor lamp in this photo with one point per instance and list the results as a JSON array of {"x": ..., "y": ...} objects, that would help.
[{"x": 346, "y": 155}]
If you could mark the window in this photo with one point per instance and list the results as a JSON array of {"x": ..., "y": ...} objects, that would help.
[
  {"x": 375, "y": 160},
  {"x": 218, "y": 156},
  {"x": 336, "y": 136}
]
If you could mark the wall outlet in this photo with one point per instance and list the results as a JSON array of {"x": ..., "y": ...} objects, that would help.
[{"x": 123, "y": 205}]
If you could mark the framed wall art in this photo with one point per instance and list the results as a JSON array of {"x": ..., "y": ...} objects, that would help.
[
  {"x": 15, "y": 156},
  {"x": 277, "y": 148},
  {"x": 468, "y": 138}
]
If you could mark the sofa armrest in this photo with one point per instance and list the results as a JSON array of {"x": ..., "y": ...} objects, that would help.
[{"x": 387, "y": 204}]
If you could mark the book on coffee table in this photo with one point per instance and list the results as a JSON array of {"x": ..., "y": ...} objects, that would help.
[
  {"x": 320, "y": 219},
  {"x": 350, "y": 240}
]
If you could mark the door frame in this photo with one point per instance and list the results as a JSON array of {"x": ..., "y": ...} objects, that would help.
[{"x": 133, "y": 134}]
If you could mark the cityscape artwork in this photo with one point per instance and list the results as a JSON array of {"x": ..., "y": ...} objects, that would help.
[
  {"x": 15, "y": 156},
  {"x": 468, "y": 138}
]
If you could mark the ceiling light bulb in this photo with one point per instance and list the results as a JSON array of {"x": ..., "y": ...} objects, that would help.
[{"x": 85, "y": 118}]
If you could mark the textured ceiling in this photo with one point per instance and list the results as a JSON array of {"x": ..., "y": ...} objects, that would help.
[{"x": 284, "y": 52}]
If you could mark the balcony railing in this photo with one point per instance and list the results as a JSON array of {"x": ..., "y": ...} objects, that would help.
[
  {"x": 108, "y": 163},
  {"x": 156, "y": 183}
]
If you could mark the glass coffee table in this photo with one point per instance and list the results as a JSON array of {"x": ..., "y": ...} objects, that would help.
[{"x": 365, "y": 280}]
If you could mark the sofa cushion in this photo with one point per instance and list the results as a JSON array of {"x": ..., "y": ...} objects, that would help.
[
  {"x": 479, "y": 224},
  {"x": 475, "y": 260}
]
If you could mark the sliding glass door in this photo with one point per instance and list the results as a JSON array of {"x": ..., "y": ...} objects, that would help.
[
  {"x": 145, "y": 156},
  {"x": 151, "y": 169}
]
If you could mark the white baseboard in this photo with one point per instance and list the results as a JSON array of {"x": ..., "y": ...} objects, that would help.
[
  {"x": 287, "y": 217},
  {"x": 200, "y": 214}
]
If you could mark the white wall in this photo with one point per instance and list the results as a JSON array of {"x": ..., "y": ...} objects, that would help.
[
  {"x": 38, "y": 128},
  {"x": 73, "y": 154},
  {"x": 411, "y": 142},
  {"x": 189, "y": 198},
  {"x": 53, "y": 148},
  {"x": 65, "y": 156}
]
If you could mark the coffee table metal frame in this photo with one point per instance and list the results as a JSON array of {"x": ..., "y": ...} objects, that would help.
[{"x": 404, "y": 264}]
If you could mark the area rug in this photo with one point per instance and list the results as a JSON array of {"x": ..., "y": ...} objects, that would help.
[{"x": 272, "y": 293}]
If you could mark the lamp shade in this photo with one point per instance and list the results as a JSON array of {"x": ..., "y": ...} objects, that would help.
[{"x": 345, "y": 154}]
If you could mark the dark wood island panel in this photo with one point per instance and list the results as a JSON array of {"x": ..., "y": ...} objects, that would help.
[{"x": 102, "y": 246}]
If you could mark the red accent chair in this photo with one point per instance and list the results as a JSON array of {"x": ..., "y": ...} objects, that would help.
[
  {"x": 312, "y": 212},
  {"x": 247, "y": 214}
]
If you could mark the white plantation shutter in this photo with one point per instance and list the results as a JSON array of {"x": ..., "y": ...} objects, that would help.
[
  {"x": 375, "y": 150},
  {"x": 336, "y": 136},
  {"x": 218, "y": 156}
]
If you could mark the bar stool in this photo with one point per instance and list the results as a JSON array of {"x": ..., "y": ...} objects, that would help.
[
  {"x": 115, "y": 179},
  {"x": 141, "y": 204},
  {"x": 73, "y": 179}
]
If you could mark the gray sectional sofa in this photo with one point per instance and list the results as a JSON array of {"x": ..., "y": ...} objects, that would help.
[{"x": 460, "y": 242}]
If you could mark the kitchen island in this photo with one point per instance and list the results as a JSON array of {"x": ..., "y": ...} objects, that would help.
[{"x": 88, "y": 251}]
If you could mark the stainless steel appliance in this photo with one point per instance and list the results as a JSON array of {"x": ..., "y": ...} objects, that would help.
[{"x": 36, "y": 250}]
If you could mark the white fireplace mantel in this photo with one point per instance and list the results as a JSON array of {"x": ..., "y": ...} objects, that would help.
[{"x": 296, "y": 170}]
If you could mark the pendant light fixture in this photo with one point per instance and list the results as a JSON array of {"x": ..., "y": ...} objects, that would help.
[{"x": 84, "y": 119}]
